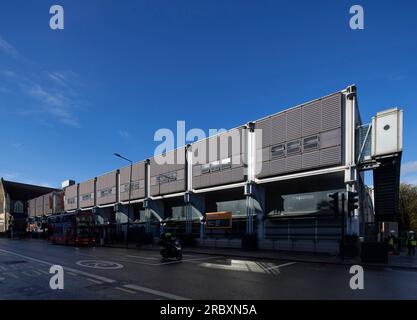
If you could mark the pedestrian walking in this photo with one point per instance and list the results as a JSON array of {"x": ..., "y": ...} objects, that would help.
[
  {"x": 392, "y": 242},
  {"x": 411, "y": 243}
]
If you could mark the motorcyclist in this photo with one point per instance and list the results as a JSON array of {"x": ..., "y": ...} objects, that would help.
[
  {"x": 169, "y": 244},
  {"x": 166, "y": 240}
]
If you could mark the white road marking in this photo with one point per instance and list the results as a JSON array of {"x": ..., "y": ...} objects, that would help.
[
  {"x": 125, "y": 290},
  {"x": 87, "y": 274},
  {"x": 189, "y": 260},
  {"x": 281, "y": 266},
  {"x": 43, "y": 271},
  {"x": 155, "y": 292},
  {"x": 146, "y": 258},
  {"x": 94, "y": 281}
]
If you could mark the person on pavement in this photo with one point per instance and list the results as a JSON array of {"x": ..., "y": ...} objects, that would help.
[
  {"x": 392, "y": 242},
  {"x": 411, "y": 243}
]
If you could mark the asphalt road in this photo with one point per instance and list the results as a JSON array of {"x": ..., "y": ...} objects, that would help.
[{"x": 110, "y": 273}]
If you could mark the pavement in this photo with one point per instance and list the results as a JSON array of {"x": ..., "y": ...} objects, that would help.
[{"x": 101, "y": 273}]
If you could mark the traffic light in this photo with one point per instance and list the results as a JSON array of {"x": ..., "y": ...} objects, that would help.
[
  {"x": 334, "y": 203},
  {"x": 352, "y": 202}
]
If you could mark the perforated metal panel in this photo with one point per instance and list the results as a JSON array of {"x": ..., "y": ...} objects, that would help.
[
  {"x": 231, "y": 145},
  {"x": 70, "y": 193},
  {"x": 87, "y": 194},
  {"x": 161, "y": 166},
  {"x": 311, "y": 118},
  {"x": 106, "y": 188},
  {"x": 320, "y": 120},
  {"x": 331, "y": 112},
  {"x": 294, "y": 124}
]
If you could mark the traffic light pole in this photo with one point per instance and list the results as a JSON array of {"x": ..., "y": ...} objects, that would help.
[{"x": 342, "y": 241}]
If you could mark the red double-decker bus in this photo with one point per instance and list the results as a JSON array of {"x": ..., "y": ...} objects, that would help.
[{"x": 71, "y": 229}]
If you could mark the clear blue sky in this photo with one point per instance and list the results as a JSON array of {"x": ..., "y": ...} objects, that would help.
[{"x": 120, "y": 70}]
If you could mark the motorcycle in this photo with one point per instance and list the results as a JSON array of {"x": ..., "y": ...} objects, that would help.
[{"x": 171, "y": 249}]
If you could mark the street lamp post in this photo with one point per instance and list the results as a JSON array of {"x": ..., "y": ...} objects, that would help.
[{"x": 130, "y": 195}]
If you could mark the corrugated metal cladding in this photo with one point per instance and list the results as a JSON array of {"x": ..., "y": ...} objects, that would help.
[
  {"x": 168, "y": 177},
  {"x": 59, "y": 201},
  {"x": 39, "y": 206},
  {"x": 70, "y": 198},
  {"x": 106, "y": 191},
  {"x": 321, "y": 120},
  {"x": 47, "y": 203},
  {"x": 87, "y": 194},
  {"x": 32, "y": 207},
  {"x": 138, "y": 182},
  {"x": 219, "y": 160}
]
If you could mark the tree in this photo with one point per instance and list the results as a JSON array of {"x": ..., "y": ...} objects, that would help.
[{"x": 408, "y": 207}]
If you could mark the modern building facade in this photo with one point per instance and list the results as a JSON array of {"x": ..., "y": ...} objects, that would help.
[
  {"x": 14, "y": 205},
  {"x": 274, "y": 175}
]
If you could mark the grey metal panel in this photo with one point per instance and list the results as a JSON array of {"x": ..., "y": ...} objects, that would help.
[
  {"x": 294, "y": 163},
  {"x": 32, "y": 207},
  {"x": 215, "y": 178},
  {"x": 155, "y": 190},
  {"x": 205, "y": 180},
  {"x": 279, "y": 128},
  {"x": 331, "y": 112},
  {"x": 312, "y": 118},
  {"x": 197, "y": 182},
  {"x": 59, "y": 203},
  {"x": 231, "y": 143},
  {"x": 70, "y": 193},
  {"x": 87, "y": 188},
  {"x": 199, "y": 150},
  {"x": 39, "y": 206},
  {"x": 225, "y": 177},
  {"x": 265, "y": 126},
  {"x": 173, "y": 161},
  {"x": 138, "y": 178},
  {"x": 311, "y": 159},
  {"x": 237, "y": 175},
  {"x": 322, "y": 117},
  {"x": 165, "y": 188},
  {"x": 213, "y": 151},
  {"x": 294, "y": 123},
  {"x": 235, "y": 141},
  {"x": 47, "y": 203},
  {"x": 263, "y": 169},
  {"x": 237, "y": 162},
  {"x": 330, "y": 138},
  {"x": 106, "y": 183},
  {"x": 266, "y": 154},
  {"x": 196, "y": 170},
  {"x": 278, "y": 166},
  {"x": 330, "y": 156}
]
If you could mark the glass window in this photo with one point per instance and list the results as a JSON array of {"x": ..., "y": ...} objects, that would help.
[
  {"x": 85, "y": 197},
  {"x": 311, "y": 143},
  {"x": 293, "y": 147},
  {"x": 226, "y": 163},
  {"x": 237, "y": 207},
  {"x": 107, "y": 192},
  {"x": 18, "y": 207},
  {"x": 205, "y": 168},
  {"x": 278, "y": 151},
  {"x": 302, "y": 203},
  {"x": 215, "y": 166},
  {"x": 167, "y": 177}
]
